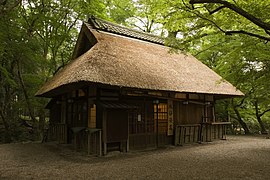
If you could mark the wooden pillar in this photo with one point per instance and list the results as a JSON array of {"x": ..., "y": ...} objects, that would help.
[
  {"x": 89, "y": 142},
  {"x": 200, "y": 129},
  {"x": 204, "y": 109},
  {"x": 182, "y": 136},
  {"x": 105, "y": 148},
  {"x": 224, "y": 132},
  {"x": 64, "y": 117},
  {"x": 100, "y": 143},
  {"x": 104, "y": 130},
  {"x": 127, "y": 144},
  {"x": 213, "y": 111},
  {"x": 63, "y": 110},
  {"x": 75, "y": 141},
  {"x": 157, "y": 128},
  {"x": 176, "y": 135}
]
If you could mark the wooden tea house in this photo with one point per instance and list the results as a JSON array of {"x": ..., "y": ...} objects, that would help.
[{"x": 124, "y": 90}]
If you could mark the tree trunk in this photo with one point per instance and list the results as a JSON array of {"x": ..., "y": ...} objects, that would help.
[
  {"x": 263, "y": 130},
  {"x": 240, "y": 120},
  {"x": 7, "y": 137},
  {"x": 41, "y": 124},
  {"x": 28, "y": 103},
  {"x": 258, "y": 116}
]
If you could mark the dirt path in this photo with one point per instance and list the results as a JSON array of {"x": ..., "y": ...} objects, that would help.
[{"x": 236, "y": 158}]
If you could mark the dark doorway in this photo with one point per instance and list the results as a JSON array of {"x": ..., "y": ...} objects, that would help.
[
  {"x": 77, "y": 115},
  {"x": 117, "y": 125}
]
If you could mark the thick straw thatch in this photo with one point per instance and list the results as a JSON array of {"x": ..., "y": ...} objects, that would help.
[{"x": 127, "y": 62}]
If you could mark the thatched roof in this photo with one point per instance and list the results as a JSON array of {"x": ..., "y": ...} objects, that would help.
[
  {"x": 123, "y": 61},
  {"x": 100, "y": 24}
]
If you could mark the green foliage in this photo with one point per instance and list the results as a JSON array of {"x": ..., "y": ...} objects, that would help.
[
  {"x": 242, "y": 61},
  {"x": 120, "y": 10},
  {"x": 37, "y": 39}
]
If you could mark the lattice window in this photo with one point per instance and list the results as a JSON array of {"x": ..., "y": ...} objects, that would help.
[{"x": 161, "y": 115}]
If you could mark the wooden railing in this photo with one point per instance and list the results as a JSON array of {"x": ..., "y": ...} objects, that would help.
[
  {"x": 58, "y": 132},
  {"x": 188, "y": 133},
  {"x": 204, "y": 132},
  {"x": 94, "y": 141},
  {"x": 219, "y": 130},
  {"x": 87, "y": 139}
]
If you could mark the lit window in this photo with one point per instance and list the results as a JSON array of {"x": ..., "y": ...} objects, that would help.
[{"x": 161, "y": 113}]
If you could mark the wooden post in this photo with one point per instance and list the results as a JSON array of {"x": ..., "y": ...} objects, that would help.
[
  {"x": 95, "y": 142},
  {"x": 185, "y": 133},
  {"x": 157, "y": 126},
  {"x": 213, "y": 112},
  {"x": 176, "y": 137},
  {"x": 224, "y": 133},
  {"x": 210, "y": 129},
  {"x": 63, "y": 119},
  {"x": 75, "y": 141},
  {"x": 189, "y": 134},
  {"x": 182, "y": 136},
  {"x": 104, "y": 128},
  {"x": 218, "y": 135},
  {"x": 128, "y": 144},
  {"x": 200, "y": 131},
  {"x": 194, "y": 133},
  {"x": 89, "y": 142},
  {"x": 105, "y": 148},
  {"x": 100, "y": 144}
]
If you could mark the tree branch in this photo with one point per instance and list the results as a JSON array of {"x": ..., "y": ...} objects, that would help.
[
  {"x": 240, "y": 104},
  {"x": 267, "y": 32},
  {"x": 216, "y": 10},
  {"x": 247, "y": 33},
  {"x": 261, "y": 114},
  {"x": 236, "y": 9},
  {"x": 212, "y": 22},
  {"x": 234, "y": 32}
]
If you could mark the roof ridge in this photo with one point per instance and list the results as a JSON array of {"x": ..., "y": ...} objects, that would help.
[{"x": 107, "y": 26}]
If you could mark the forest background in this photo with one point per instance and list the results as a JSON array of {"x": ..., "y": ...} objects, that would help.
[{"x": 38, "y": 36}]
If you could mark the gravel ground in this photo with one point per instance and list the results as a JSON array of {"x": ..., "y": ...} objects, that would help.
[{"x": 239, "y": 157}]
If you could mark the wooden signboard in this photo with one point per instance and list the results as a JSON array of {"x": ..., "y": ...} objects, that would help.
[{"x": 170, "y": 118}]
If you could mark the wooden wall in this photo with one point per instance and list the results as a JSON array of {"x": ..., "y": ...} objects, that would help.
[
  {"x": 187, "y": 109},
  {"x": 191, "y": 113}
]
